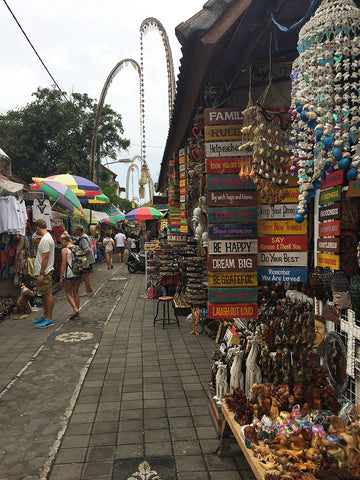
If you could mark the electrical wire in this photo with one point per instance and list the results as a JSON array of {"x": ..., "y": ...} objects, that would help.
[{"x": 36, "y": 53}]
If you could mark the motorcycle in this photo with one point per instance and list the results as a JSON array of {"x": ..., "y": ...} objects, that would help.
[{"x": 135, "y": 262}]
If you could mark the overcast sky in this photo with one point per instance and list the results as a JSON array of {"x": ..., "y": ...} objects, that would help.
[{"x": 80, "y": 41}]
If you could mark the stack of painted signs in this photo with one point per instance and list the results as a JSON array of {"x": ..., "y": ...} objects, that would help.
[
  {"x": 232, "y": 215},
  {"x": 328, "y": 244},
  {"x": 174, "y": 234},
  {"x": 282, "y": 253},
  {"x": 184, "y": 194}
]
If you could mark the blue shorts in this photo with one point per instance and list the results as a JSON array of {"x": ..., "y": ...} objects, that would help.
[
  {"x": 72, "y": 279},
  {"x": 120, "y": 249}
]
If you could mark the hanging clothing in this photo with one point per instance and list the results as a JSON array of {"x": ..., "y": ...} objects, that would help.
[
  {"x": 42, "y": 209},
  {"x": 13, "y": 215}
]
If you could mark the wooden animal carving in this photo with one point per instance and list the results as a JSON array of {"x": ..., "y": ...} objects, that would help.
[
  {"x": 253, "y": 371},
  {"x": 221, "y": 384},
  {"x": 236, "y": 375}
]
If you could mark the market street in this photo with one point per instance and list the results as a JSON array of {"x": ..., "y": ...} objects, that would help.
[{"x": 79, "y": 397}]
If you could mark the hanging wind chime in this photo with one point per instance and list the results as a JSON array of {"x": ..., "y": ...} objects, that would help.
[{"x": 326, "y": 103}]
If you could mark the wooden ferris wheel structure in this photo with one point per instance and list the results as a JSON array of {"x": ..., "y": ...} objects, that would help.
[{"x": 144, "y": 175}]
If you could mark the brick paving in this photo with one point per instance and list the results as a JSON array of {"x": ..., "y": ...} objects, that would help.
[{"x": 129, "y": 391}]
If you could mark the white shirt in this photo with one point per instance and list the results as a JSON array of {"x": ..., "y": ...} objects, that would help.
[
  {"x": 46, "y": 245},
  {"x": 120, "y": 239},
  {"x": 42, "y": 209}
]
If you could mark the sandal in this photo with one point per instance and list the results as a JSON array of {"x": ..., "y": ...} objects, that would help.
[{"x": 76, "y": 314}]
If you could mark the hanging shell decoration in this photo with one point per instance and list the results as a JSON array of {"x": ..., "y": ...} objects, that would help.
[{"x": 326, "y": 103}]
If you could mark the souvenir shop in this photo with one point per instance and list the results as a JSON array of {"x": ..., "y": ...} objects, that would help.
[{"x": 265, "y": 178}]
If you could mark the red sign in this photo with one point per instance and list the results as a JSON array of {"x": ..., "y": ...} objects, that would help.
[
  {"x": 296, "y": 243},
  {"x": 329, "y": 229},
  {"x": 242, "y": 310},
  {"x": 225, "y": 165},
  {"x": 333, "y": 179}
]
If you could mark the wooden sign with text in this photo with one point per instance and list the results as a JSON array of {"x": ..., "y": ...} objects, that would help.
[
  {"x": 232, "y": 279},
  {"x": 174, "y": 239},
  {"x": 353, "y": 189},
  {"x": 223, "y": 132},
  {"x": 232, "y": 231},
  {"x": 328, "y": 260},
  {"x": 224, "y": 311},
  {"x": 232, "y": 263},
  {"x": 291, "y": 197},
  {"x": 232, "y": 295},
  {"x": 282, "y": 274},
  {"x": 218, "y": 116},
  {"x": 225, "y": 165},
  {"x": 331, "y": 195},
  {"x": 331, "y": 245},
  {"x": 329, "y": 229},
  {"x": 232, "y": 214},
  {"x": 225, "y": 149},
  {"x": 282, "y": 227},
  {"x": 238, "y": 247},
  {"x": 333, "y": 179},
  {"x": 330, "y": 212},
  {"x": 280, "y": 212},
  {"x": 282, "y": 259},
  {"x": 282, "y": 244},
  {"x": 229, "y": 182},
  {"x": 239, "y": 198}
]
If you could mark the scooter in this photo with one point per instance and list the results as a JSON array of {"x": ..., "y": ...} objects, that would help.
[{"x": 135, "y": 262}]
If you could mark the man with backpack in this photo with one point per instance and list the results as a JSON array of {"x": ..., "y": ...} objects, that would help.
[{"x": 85, "y": 244}]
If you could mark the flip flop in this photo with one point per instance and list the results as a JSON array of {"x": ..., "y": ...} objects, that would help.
[{"x": 73, "y": 315}]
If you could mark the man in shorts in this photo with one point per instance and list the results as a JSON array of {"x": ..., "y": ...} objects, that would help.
[
  {"x": 120, "y": 239},
  {"x": 44, "y": 266}
]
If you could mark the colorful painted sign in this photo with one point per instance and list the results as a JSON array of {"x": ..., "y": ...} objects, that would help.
[
  {"x": 330, "y": 195},
  {"x": 282, "y": 274},
  {"x": 329, "y": 229},
  {"x": 328, "y": 260},
  {"x": 330, "y": 212},
  {"x": 281, "y": 227},
  {"x": 232, "y": 311},
  {"x": 281, "y": 211},
  {"x": 282, "y": 244},
  {"x": 218, "y": 116},
  {"x": 232, "y": 263},
  {"x": 232, "y": 295},
  {"x": 353, "y": 189},
  {"x": 232, "y": 279},
  {"x": 223, "y": 132},
  {"x": 238, "y": 247},
  {"x": 225, "y": 149},
  {"x": 177, "y": 239},
  {"x": 333, "y": 179},
  {"x": 232, "y": 231},
  {"x": 291, "y": 197},
  {"x": 184, "y": 229},
  {"x": 282, "y": 259},
  {"x": 174, "y": 222},
  {"x": 232, "y": 214},
  {"x": 331, "y": 245},
  {"x": 240, "y": 198},
  {"x": 174, "y": 229},
  {"x": 225, "y": 165},
  {"x": 229, "y": 182}
]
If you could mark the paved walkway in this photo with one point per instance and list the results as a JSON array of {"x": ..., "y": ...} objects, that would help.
[{"x": 76, "y": 397}]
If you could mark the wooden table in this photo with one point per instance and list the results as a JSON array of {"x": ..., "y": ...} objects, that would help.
[{"x": 253, "y": 462}]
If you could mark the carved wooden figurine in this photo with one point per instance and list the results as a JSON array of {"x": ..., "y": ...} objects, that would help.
[
  {"x": 236, "y": 375},
  {"x": 221, "y": 384}
]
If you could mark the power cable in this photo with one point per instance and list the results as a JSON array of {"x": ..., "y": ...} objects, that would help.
[{"x": 36, "y": 53}]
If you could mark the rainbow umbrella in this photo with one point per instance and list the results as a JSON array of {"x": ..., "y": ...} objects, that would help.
[
  {"x": 115, "y": 213},
  {"x": 101, "y": 217},
  {"x": 102, "y": 198},
  {"x": 60, "y": 193},
  {"x": 82, "y": 187},
  {"x": 143, "y": 213}
]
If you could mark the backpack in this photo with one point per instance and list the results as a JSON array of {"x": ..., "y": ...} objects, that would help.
[{"x": 80, "y": 261}]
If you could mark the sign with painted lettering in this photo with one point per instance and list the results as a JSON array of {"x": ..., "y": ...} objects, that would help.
[
  {"x": 232, "y": 214},
  {"x": 182, "y": 167},
  {"x": 291, "y": 197},
  {"x": 184, "y": 229},
  {"x": 241, "y": 198},
  {"x": 328, "y": 260},
  {"x": 330, "y": 212},
  {"x": 353, "y": 189},
  {"x": 238, "y": 247},
  {"x": 333, "y": 179},
  {"x": 282, "y": 259},
  {"x": 174, "y": 229},
  {"x": 280, "y": 211},
  {"x": 281, "y": 227},
  {"x": 177, "y": 239},
  {"x": 225, "y": 149},
  {"x": 174, "y": 222},
  {"x": 232, "y": 279},
  {"x": 329, "y": 229},
  {"x": 282, "y": 274},
  {"x": 232, "y": 231},
  {"x": 223, "y": 132},
  {"x": 225, "y": 165},
  {"x": 232, "y": 295},
  {"x": 183, "y": 182},
  {"x": 282, "y": 244},
  {"x": 232, "y": 263},
  {"x": 330, "y": 195},
  {"x": 224, "y": 311},
  {"x": 229, "y": 182},
  {"x": 331, "y": 245},
  {"x": 218, "y": 116},
  {"x": 185, "y": 221}
]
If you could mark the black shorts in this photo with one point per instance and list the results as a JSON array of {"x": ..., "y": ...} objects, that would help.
[{"x": 120, "y": 249}]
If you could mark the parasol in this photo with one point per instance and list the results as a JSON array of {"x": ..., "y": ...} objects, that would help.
[
  {"x": 82, "y": 187},
  {"x": 115, "y": 213},
  {"x": 60, "y": 193},
  {"x": 101, "y": 217},
  {"x": 144, "y": 213},
  {"x": 102, "y": 198}
]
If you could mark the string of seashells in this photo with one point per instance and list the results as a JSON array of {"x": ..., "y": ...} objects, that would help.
[{"x": 326, "y": 103}]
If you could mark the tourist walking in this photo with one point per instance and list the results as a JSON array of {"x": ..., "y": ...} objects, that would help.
[
  {"x": 133, "y": 243},
  {"x": 85, "y": 245},
  {"x": 120, "y": 239},
  {"x": 108, "y": 244},
  {"x": 43, "y": 268},
  {"x": 68, "y": 279}
]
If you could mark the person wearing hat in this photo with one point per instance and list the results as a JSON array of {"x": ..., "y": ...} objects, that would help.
[{"x": 44, "y": 266}]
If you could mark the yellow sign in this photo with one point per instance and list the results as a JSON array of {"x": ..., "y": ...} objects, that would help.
[
  {"x": 184, "y": 229},
  {"x": 281, "y": 227},
  {"x": 182, "y": 160},
  {"x": 223, "y": 132},
  {"x": 328, "y": 260},
  {"x": 183, "y": 182},
  {"x": 233, "y": 279}
]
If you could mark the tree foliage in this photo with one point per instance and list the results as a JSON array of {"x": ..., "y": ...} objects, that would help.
[{"x": 53, "y": 134}]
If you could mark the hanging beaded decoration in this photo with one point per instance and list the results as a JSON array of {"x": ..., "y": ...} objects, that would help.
[{"x": 326, "y": 103}]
